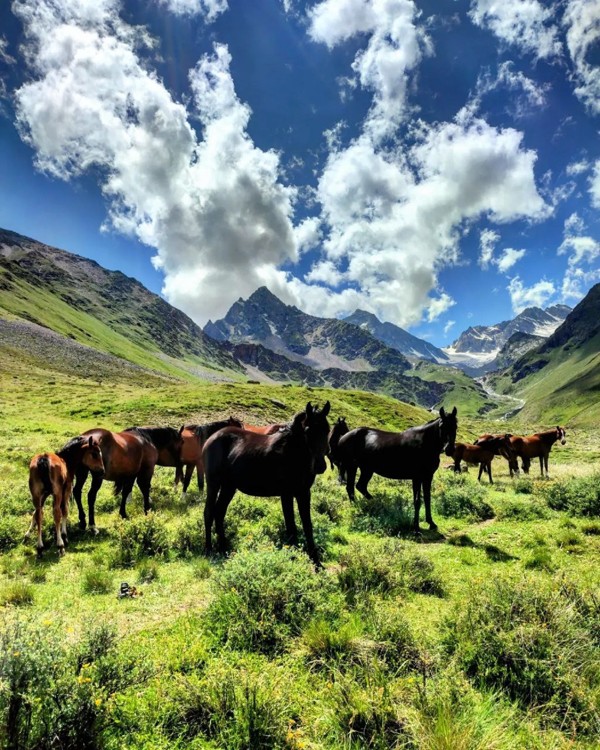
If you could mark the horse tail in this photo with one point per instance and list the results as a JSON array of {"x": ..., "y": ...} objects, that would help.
[{"x": 43, "y": 467}]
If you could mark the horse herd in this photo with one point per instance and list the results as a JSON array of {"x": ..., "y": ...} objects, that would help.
[{"x": 274, "y": 460}]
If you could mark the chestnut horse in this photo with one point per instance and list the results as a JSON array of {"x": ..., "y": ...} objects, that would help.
[
  {"x": 194, "y": 436},
  {"x": 538, "y": 445},
  {"x": 284, "y": 464},
  {"x": 339, "y": 428},
  {"x": 52, "y": 474},
  {"x": 128, "y": 457},
  {"x": 482, "y": 453},
  {"x": 412, "y": 454}
]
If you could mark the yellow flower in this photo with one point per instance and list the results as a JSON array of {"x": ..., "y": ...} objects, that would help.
[
  {"x": 98, "y": 701},
  {"x": 16, "y": 653}
]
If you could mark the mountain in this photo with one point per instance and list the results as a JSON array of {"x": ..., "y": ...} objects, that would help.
[
  {"x": 476, "y": 348},
  {"x": 320, "y": 343},
  {"x": 102, "y": 310},
  {"x": 559, "y": 380},
  {"x": 396, "y": 337},
  {"x": 516, "y": 347},
  {"x": 264, "y": 332}
]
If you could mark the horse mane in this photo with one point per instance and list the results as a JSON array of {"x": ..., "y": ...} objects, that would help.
[
  {"x": 204, "y": 431},
  {"x": 69, "y": 451},
  {"x": 160, "y": 437}
]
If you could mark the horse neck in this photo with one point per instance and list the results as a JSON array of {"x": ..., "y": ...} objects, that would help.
[
  {"x": 549, "y": 437},
  {"x": 71, "y": 455},
  {"x": 204, "y": 431},
  {"x": 432, "y": 431}
]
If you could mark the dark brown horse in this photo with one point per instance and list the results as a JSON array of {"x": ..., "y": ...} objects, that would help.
[
  {"x": 501, "y": 444},
  {"x": 194, "y": 436},
  {"x": 481, "y": 454},
  {"x": 128, "y": 457},
  {"x": 538, "y": 445},
  {"x": 265, "y": 429},
  {"x": 412, "y": 454},
  {"x": 284, "y": 464},
  {"x": 339, "y": 428},
  {"x": 52, "y": 474}
]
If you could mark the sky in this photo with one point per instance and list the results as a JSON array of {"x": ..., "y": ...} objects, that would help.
[{"x": 435, "y": 162}]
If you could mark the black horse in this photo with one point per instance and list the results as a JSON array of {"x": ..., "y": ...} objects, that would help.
[
  {"x": 339, "y": 428},
  {"x": 284, "y": 464},
  {"x": 412, "y": 454}
]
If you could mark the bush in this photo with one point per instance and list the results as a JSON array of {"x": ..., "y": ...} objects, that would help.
[
  {"x": 324, "y": 640},
  {"x": 385, "y": 513},
  {"x": 189, "y": 537},
  {"x": 523, "y": 485},
  {"x": 143, "y": 536},
  {"x": 17, "y": 594},
  {"x": 201, "y": 569},
  {"x": 460, "y": 498},
  {"x": 386, "y": 567},
  {"x": 579, "y": 496},
  {"x": 11, "y": 531},
  {"x": 148, "y": 571},
  {"x": 541, "y": 559},
  {"x": 532, "y": 641},
  {"x": 96, "y": 581},
  {"x": 264, "y": 597},
  {"x": 522, "y": 510}
]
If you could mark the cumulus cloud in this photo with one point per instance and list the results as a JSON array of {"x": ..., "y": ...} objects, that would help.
[
  {"x": 536, "y": 295},
  {"x": 583, "y": 254},
  {"x": 582, "y": 20},
  {"x": 449, "y": 324},
  {"x": 487, "y": 242},
  {"x": 213, "y": 207},
  {"x": 595, "y": 185},
  {"x": 395, "y": 47},
  {"x": 210, "y": 9},
  {"x": 508, "y": 259},
  {"x": 526, "y": 24},
  {"x": 529, "y": 94}
]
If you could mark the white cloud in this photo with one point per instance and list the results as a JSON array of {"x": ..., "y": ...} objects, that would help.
[
  {"x": 439, "y": 305},
  {"x": 595, "y": 185},
  {"x": 307, "y": 233},
  {"x": 537, "y": 295},
  {"x": 395, "y": 47},
  {"x": 213, "y": 208},
  {"x": 487, "y": 242},
  {"x": 526, "y": 24},
  {"x": 448, "y": 326},
  {"x": 584, "y": 253},
  {"x": 578, "y": 167},
  {"x": 581, "y": 19},
  {"x": 530, "y": 94},
  {"x": 208, "y": 8},
  {"x": 325, "y": 271},
  {"x": 508, "y": 259}
]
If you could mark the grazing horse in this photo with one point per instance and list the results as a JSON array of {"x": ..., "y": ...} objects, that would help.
[
  {"x": 284, "y": 464},
  {"x": 501, "y": 445},
  {"x": 412, "y": 454},
  {"x": 128, "y": 457},
  {"x": 194, "y": 437},
  {"x": 482, "y": 453},
  {"x": 339, "y": 428},
  {"x": 52, "y": 474},
  {"x": 538, "y": 445}
]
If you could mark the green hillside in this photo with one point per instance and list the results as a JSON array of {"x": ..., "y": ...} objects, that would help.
[{"x": 462, "y": 391}]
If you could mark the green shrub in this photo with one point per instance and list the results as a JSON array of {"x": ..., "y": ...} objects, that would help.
[
  {"x": 396, "y": 644},
  {"x": 11, "y": 531},
  {"x": 97, "y": 581},
  {"x": 579, "y": 495},
  {"x": 592, "y": 528},
  {"x": 142, "y": 536},
  {"x": 386, "y": 567},
  {"x": 541, "y": 559},
  {"x": 188, "y": 538},
  {"x": 389, "y": 513},
  {"x": 202, "y": 569},
  {"x": 531, "y": 640},
  {"x": 324, "y": 640},
  {"x": 460, "y": 498},
  {"x": 148, "y": 571},
  {"x": 17, "y": 594},
  {"x": 264, "y": 597},
  {"x": 523, "y": 485},
  {"x": 522, "y": 510}
]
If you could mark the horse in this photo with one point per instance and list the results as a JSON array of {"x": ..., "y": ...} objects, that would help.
[
  {"x": 500, "y": 444},
  {"x": 538, "y": 445},
  {"x": 194, "y": 436},
  {"x": 52, "y": 474},
  {"x": 339, "y": 428},
  {"x": 129, "y": 457},
  {"x": 265, "y": 429},
  {"x": 167, "y": 440},
  {"x": 412, "y": 454},
  {"x": 284, "y": 464},
  {"x": 482, "y": 453}
]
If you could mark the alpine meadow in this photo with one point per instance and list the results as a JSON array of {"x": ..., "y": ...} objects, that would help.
[{"x": 299, "y": 375}]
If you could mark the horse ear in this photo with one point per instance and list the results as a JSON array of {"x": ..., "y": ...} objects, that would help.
[
  {"x": 442, "y": 413},
  {"x": 91, "y": 441},
  {"x": 326, "y": 409},
  {"x": 181, "y": 429},
  {"x": 309, "y": 409},
  {"x": 454, "y": 412},
  {"x": 298, "y": 422}
]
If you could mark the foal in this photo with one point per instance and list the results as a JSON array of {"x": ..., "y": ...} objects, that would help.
[
  {"x": 52, "y": 474},
  {"x": 482, "y": 453}
]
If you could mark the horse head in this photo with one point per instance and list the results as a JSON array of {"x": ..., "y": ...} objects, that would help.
[
  {"x": 561, "y": 434},
  {"x": 92, "y": 456},
  {"x": 316, "y": 430},
  {"x": 448, "y": 427}
]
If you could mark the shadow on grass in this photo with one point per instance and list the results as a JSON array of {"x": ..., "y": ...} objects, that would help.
[{"x": 492, "y": 551}]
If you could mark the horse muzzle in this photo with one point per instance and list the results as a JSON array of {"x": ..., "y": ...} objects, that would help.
[
  {"x": 449, "y": 450},
  {"x": 563, "y": 441}
]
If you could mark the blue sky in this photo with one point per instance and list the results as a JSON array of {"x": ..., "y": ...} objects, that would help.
[{"x": 436, "y": 163}]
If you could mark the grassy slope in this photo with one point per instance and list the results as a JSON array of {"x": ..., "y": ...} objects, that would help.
[
  {"x": 465, "y": 394},
  {"x": 166, "y": 626},
  {"x": 565, "y": 391}
]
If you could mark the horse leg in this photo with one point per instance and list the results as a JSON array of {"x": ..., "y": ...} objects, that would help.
[
  {"x": 96, "y": 484},
  {"x": 225, "y": 497},
  {"x": 126, "y": 490},
  {"x": 212, "y": 492},
  {"x": 546, "y": 464},
  {"x": 489, "y": 471},
  {"x": 481, "y": 468},
  {"x": 56, "y": 503},
  {"x": 416, "y": 483},
  {"x": 81, "y": 475},
  {"x": 427, "y": 498},
  {"x": 303, "y": 500},
  {"x": 36, "y": 522},
  {"x": 200, "y": 473},
  {"x": 363, "y": 482},
  {"x": 350, "y": 477},
  {"x": 64, "y": 509},
  {"x": 144, "y": 480},
  {"x": 187, "y": 478},
  {"x": 287, "y": 506}
]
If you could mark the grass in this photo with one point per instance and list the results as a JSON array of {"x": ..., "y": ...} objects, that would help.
[{"x": 400, "y": 642}]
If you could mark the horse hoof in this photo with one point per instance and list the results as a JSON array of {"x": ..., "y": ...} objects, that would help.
[
  {"x": 432, "y": 526},
  {"x": 94, "y": 530},
  {"x": 61, "y": 551},
  {"x": 40, "y": 551},
  {"x": 82, "y": 524}
]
